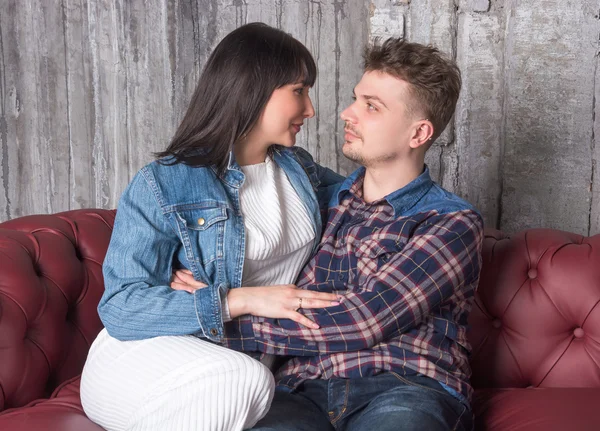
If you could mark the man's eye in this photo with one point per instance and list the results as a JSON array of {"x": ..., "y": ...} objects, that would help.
[
  {"x": 371, "y": 107},
  {"x": 300, "y": 90},
  {"x": 354, "y": 98}
]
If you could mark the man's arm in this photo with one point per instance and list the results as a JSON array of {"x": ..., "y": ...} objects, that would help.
[{"x": 442, "y": 258}]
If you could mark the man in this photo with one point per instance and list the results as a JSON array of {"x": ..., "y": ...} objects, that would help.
[{"x": 404, "y": 254}]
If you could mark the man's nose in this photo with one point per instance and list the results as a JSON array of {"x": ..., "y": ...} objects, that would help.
[{"x": 348, "y": 115}]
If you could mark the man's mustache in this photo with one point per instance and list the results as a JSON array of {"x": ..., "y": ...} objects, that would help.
[{"x": 348, "y": 128}]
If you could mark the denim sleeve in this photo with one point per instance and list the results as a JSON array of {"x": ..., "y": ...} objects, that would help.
[
  {"x": 326, "y": 181},
  {"x": 138, "y": 302}
]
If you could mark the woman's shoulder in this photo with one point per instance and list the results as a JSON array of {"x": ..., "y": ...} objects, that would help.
[
  {"x": 167, "y": 170},
  {"x": 298, "y": 153},
  {"x": 320, "y": 176},
  {"x": 174, "y": 182}
]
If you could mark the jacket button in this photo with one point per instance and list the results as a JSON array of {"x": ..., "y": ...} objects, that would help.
[
  {"x": 214, "y": 332},
  {"x": 201, "y": 221}
]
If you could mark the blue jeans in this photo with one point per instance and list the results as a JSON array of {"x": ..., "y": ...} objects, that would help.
[{"x": 381, "y": 403}]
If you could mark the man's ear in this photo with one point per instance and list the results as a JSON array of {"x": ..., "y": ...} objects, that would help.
[{"x": 422, "y": 133}]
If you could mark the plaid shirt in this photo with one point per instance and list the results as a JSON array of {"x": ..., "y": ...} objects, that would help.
[{"x": 407, "y": 267}]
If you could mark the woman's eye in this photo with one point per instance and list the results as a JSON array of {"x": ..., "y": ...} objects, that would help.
[
  {"x": 371, "y": 107},
  {"x": 299, "y": 90}
]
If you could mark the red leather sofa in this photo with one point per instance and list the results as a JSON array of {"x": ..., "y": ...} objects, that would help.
[{"x": 535, "y": 326}]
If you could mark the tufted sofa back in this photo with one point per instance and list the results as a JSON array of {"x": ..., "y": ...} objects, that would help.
[
  {"x": 536, "y": 319},
  {"x": 535, "y": 322},
  {"x": 50, "y": 285}
]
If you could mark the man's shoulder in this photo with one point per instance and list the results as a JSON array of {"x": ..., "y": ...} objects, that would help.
[{"x": 441, "y": 201}]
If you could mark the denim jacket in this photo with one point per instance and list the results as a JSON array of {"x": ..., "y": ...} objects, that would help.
[{"x": 173, "y": 216}]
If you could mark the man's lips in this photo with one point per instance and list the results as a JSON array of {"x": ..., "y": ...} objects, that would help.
[{"x": 349, "y": 135}]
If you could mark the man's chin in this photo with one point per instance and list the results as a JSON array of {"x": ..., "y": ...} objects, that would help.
[{"x": 350, "y": 154}]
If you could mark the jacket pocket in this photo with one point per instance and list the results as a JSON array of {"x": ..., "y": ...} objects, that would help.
[{"x": 201, "y": 231}]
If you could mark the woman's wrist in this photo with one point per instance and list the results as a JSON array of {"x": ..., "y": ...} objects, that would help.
[{"x": 237, "y": 303}]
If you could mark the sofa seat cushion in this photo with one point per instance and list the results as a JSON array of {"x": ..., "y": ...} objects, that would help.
[
  {"x": 61, "y": 412},
  {"x": 533, "y": 409}
]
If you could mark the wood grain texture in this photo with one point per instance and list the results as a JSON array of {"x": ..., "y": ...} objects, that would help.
[{"x": 89, "y": 89}]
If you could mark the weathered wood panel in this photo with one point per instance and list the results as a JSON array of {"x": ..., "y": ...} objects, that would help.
[
  {"x": 90, "y": 88},
  {"x": 35, "y": 138},
  {"x": 479, "y": 114},
  {"x": 547, "y": 164}
]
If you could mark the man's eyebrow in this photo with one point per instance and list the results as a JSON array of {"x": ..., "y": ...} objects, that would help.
[
  {"x": 368, "y": 97},
  {"x": 375, "y": 98}
]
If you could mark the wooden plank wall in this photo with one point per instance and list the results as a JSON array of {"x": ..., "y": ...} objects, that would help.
[{"x": 89, "y": 89}]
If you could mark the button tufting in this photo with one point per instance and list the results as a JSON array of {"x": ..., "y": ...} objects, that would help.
[
  {"x": 578, "y": 332},
  {"x": 532, "y": 273},
  {"x": 496, "y": 323}
]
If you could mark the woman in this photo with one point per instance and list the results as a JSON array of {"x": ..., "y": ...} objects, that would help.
[{"x": 232, "y": 201}]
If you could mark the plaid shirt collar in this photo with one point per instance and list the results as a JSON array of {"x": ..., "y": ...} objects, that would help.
[{"x": 401, "y": 200}]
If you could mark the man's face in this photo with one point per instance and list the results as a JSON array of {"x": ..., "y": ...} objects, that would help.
[{"x": 379, "y": 126}]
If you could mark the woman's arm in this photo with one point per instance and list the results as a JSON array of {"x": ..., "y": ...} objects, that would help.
[
  {"x": 138, "y": 302},
  {"x": 277, "y": 302},
  {"x": 325, "y": 181}
]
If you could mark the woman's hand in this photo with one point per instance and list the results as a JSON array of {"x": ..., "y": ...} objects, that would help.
[
  {"x": 184, "y": 280},
  {"x": 278, "y": 302}
]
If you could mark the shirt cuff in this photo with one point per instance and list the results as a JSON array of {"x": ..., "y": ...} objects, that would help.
[
  {"x": 226, "y": 316},
  {"x": 239, "y": 335}
]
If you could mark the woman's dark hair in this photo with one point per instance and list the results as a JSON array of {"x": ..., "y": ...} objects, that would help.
[{"x": 236, "y": 83}]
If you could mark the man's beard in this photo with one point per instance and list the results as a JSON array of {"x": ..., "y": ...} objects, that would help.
[{"x": 355, "y": 156}]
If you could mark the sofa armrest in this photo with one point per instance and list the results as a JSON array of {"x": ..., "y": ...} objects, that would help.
[{"x": 50, "y": 285}]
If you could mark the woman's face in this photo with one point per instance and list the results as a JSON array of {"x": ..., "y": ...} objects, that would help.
[{"x": 283, "y": 116}]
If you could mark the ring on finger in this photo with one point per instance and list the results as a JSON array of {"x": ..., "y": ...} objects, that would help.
[{"x": 299, "y": 303}]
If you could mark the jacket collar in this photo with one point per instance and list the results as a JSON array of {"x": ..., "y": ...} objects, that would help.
[
  {"x": 233, "y": 175},
  {"x": 400, "y": 200}
]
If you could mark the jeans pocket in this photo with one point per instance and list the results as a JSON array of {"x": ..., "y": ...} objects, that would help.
[{"x": 422, "y": 382}]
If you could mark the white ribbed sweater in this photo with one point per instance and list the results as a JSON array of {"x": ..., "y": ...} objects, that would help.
[{"x": 279, "y": 233}]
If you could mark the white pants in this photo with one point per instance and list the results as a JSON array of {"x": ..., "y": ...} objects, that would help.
[{"x": 173, "y": 383}]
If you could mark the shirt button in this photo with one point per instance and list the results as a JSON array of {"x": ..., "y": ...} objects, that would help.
[
  {"x": 201, "y": 221},
  {"x": 214, "y": 332}
]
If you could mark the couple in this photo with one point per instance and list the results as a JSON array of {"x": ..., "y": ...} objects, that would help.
[{"x": 209, "y": 240}]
